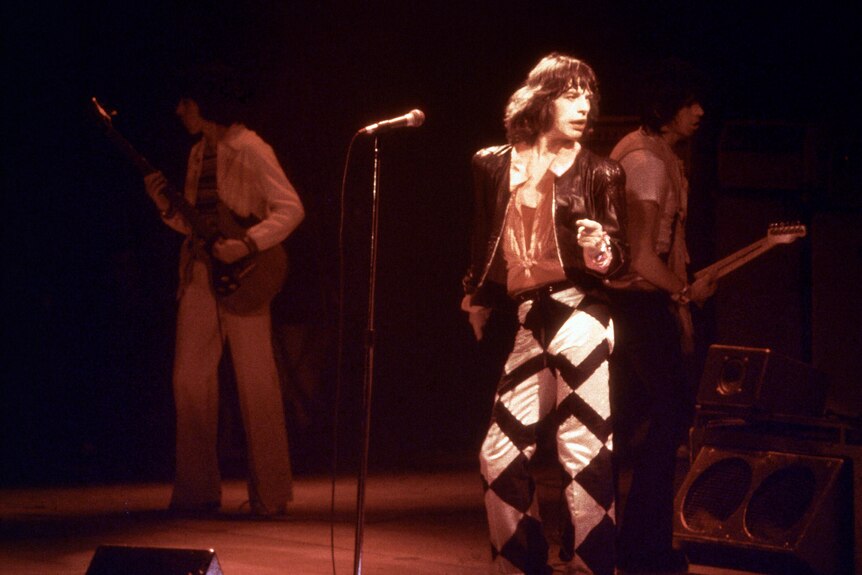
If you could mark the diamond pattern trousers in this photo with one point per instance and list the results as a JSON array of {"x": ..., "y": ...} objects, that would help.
[{"x": 558, "y": 368}]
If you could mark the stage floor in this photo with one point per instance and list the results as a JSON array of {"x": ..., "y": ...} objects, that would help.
[{"x": 415, "y": 523}]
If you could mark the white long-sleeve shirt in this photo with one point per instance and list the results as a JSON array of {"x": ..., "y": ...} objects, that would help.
[{"x": 250, "y": 181}]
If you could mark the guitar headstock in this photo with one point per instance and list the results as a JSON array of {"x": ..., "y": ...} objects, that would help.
[
  {"x": 103, "y": 113},
  {"x": 785, "y": 233}
]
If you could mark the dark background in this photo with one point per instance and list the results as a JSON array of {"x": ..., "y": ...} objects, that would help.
[{"x": 90, "y": 271}]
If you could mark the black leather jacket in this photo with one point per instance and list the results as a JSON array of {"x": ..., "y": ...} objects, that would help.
[{"x": 594, "y": 188}]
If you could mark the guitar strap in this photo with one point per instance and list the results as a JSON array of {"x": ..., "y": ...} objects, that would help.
[
  {"x": 206, "y": 201},
  {"x": 677, "y": 264},
  {"x": 678, "y": 257},
  {"x": 206, "y": 205}
]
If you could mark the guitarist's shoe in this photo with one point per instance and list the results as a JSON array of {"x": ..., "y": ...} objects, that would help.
[
  {"x": 205, "y": 509},
  {"x": 260, "y": 511}
]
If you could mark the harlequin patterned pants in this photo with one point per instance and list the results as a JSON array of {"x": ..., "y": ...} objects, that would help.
[{"x": 558, "y": 368}]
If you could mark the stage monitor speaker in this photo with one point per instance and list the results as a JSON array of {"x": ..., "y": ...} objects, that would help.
[
  {"x": 757, "y": 379},
  {"x": 126, "y": 560},
  {"x": 766, "y": 511}
]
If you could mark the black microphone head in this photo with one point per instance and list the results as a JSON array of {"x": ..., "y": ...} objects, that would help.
[{"x": 417, "y": 118}]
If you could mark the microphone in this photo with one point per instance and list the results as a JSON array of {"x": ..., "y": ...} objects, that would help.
[{"x": 412, "y": 119}]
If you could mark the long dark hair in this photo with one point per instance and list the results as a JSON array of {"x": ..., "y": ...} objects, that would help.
[
  {"x": 529, "y": 111},
  {"x": 220, "y": 91},
  {"x": 668, "y": 87}
]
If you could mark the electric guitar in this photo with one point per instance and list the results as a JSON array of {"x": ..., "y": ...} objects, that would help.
[
  {"x": 245, "y": 286},
  {"x": 777, "y": 234}
]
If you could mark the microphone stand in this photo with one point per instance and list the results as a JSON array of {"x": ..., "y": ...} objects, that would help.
[{"x": 369, "y": 369}]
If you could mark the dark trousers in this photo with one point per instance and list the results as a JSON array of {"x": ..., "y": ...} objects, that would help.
[{"x": 652, "y": 402}]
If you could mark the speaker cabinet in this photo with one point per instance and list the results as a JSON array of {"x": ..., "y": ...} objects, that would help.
[
  {"x": 766, "y": 511},
  {"x": 836, "y": 315},
  {"x": 756, "y": 379},
  {"x": 123, "y": 560}
]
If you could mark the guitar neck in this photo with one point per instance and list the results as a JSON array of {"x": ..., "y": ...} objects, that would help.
[
  {"x": 199, "y": 226},
  {"x": 735, "y": 260}
]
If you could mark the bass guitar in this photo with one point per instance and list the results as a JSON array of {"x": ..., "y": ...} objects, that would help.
[{"x": 243, "y": 287}]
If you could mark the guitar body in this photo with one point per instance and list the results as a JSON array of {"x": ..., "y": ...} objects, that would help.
[{"x": 247, "y": 286}]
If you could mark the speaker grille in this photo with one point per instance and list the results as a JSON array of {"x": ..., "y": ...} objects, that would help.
[
  {"x": 716, "y": 493},
  {"x": 756, "y": 381},
  {"x": 767, "y": 511},
  {"x": 780, "y": 502}
]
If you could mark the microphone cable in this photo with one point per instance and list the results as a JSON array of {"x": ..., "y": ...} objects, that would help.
[{"x": 339, "y": 352}]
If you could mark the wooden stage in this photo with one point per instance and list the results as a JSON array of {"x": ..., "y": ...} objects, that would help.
[{"x": 417, "y": 523}]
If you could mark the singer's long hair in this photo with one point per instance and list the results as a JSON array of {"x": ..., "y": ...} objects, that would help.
[{"x": 530, "y": 109}]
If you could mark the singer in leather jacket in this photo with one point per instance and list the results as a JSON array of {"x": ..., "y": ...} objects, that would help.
[
  {"x": 593, "y": 188},
  {"x": 547, "y": 231}
]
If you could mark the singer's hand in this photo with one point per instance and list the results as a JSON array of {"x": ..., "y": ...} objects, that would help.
[
  {"x": 477, "y": 316},
  {"x": 596, "y": 244}
]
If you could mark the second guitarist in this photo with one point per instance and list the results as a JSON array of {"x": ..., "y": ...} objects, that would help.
[
  {"x": 232, "y": 175},
  {"x": 651, "y": 392}
]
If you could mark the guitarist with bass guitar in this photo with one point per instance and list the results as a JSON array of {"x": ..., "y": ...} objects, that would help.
[{"x": 236, "y": 208}]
